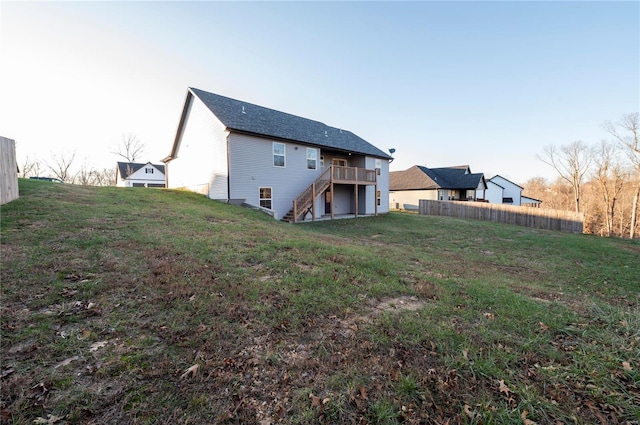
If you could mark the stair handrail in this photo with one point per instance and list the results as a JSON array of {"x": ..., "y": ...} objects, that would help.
[{"x": 305, "y": 200}]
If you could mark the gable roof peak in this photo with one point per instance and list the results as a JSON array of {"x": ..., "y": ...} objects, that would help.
[{"x": 128, "y": 168}]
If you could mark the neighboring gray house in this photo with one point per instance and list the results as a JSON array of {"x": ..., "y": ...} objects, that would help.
[
  {"x": 503, "y": 191},
  {"x": 292, "y": 167},
  {"x": 407, "y": 187},
  {"x": 132, "y": 174}
]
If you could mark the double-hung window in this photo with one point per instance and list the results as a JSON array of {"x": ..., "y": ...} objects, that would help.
[
  {"x": 265, "y": 197},
  {"x": 312, "y": 159},
  {"x": 278, "y": 154}
]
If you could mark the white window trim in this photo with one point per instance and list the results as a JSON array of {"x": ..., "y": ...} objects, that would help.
[
  {"x": 260, "y": 198},
  {"x": 307, "y": 158},
  {"x": 284, "y": 154}
]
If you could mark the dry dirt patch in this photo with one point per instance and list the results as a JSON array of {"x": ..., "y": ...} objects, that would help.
[{"x": 400, "y": 303}]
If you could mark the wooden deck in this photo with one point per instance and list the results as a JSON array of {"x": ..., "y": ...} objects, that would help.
[{"x": 335, "y": 174}]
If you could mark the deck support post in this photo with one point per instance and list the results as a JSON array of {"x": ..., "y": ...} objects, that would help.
[
  {"x": 313, "y": 201},
  {"x": 332, "y": 202},
  {"x": 295, "y": 211},
  {"x": 375, "y": 198},
  {"x": 355, "y": 199}
]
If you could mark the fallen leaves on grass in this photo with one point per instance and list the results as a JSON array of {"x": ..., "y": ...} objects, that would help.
[
  {"x": 51, "y": 419},
  {"x": 468, "y": 411},
  {"x": 363, "y": 392},
  {"x": 190, "y": 372},
  {"x": 503, "y": 387},
  {"x": 627, "y": 366},
  {"x": 6, "y": 372},
  {"x": 315, "y": 401},
  {"x": 526, "y": 421},
  {"x": 97, "y": 345},
  {"x": 66, "y": 362}
]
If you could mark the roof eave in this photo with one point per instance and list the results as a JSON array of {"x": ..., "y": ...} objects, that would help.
[
  {"x": 183, "y": 116},
  {"x": 302, "y": 142}
]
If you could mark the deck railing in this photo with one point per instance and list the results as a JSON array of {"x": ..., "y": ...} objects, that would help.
[
  {"x": 334, "y": 174},
  {"x": 342, "y": 174}
]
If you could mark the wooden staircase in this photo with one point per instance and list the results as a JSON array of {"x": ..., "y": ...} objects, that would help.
[{"x": 303, "y": 204}]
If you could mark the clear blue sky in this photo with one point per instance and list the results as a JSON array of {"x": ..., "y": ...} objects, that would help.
[{"x": 487, "y": 84}]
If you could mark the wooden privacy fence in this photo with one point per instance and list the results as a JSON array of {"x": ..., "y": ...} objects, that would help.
[
  {"x": 565, "y": 221},
  {"x": 9, "y": 171}
]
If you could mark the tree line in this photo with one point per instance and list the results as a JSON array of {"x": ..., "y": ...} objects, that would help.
[
  {"x": 602, "y": 181},
  {"x": 63, "y": 166}
]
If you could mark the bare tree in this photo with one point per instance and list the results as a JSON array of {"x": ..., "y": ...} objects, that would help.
[
  {"x": 129, "y": 148},
  {"x": 610, "y": 177},
  {"x": 536, "y": 187},
  {"x": 30, "y": 167},
  {"x": 61, "y": 165},
  {"x": 106, "y": 177},
  {"x": 86, "y": 176},
  {"x": 571, "y": 162},
  {"x": 626, "y": 132}
]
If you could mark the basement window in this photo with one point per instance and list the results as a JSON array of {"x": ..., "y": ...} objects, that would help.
[
  {"x": 265, "y": 197},
  {"x": 278, "y": 154}
]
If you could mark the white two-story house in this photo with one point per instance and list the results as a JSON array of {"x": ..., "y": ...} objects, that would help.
[{"x": 134, "y": 174}]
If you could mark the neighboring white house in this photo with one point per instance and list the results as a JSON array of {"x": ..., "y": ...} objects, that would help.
[
  {"x": 503, "y": 191},
  {"x": 291, "y": 167},
  {"x": 458, "y": 183},
  {"x": 131, "y": 174}
]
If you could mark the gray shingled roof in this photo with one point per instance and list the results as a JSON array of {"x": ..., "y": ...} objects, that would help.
[
  {"x": 125, "y": 167},
  {"x": 423, "y": 178},
  {"x": 249, "y": 118}
]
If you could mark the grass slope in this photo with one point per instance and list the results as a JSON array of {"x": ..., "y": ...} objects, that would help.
[{"x": 152, "y": 306}]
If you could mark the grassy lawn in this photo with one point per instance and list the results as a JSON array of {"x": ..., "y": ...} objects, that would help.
[{"x": 138, "y": 306}]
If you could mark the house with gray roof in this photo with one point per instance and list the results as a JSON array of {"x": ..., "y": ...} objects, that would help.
[
  {"x": 134, "y": 174},
  {"x": 458, "y": 183},
  {"x": 291, "y": 167}
]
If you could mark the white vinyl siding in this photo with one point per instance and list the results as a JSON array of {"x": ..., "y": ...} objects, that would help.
[
  {"x": 397, "y": 199},
  {"x": 383, "y": 185},
  {"x": 510, "y": 190},
  {"x": 201, "y": 159},
  {"x": 251, "y": 167}
]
